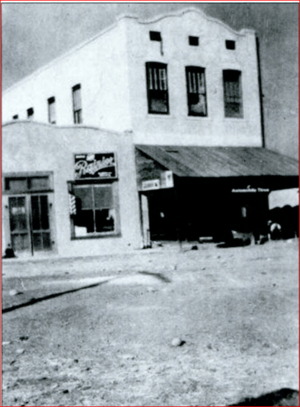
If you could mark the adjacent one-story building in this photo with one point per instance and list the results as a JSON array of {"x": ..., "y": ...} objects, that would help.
[
  {"x": 68, "y": 190},
  {"x": 183, "y": 154}
]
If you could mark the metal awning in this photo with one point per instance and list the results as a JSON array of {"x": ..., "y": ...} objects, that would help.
[{"x": 218, "y": 162}]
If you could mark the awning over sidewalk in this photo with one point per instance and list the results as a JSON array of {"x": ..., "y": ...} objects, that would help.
[{"x": 194, "y": 161}]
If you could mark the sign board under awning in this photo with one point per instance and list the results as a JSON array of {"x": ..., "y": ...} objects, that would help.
[
  {"x": 150, "y": 184},
  {"x": 165, "y": 181}
]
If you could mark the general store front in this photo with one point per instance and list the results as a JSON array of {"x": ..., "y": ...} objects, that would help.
[{"x": 187, "y": 193}]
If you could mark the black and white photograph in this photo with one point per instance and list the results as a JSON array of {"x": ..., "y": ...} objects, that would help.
[{"x": 150, "y": 203}]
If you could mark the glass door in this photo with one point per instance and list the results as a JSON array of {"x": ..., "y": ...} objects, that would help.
[
  {"x": 19, "y": 224},
  {"x": 29, "y": 223},
  {"x": 40, "y": 224}
]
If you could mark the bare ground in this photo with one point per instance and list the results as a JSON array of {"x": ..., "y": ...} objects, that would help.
[{"x": 235, "y": 310}]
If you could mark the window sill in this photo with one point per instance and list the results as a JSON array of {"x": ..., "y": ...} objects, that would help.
[
  {"x": 159, "y": 116},
  {"x": 198, "y": 118},
  {"x": 108, "y": 235}
]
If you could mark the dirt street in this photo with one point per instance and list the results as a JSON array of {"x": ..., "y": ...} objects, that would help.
[{"x": 206, "y": 327}]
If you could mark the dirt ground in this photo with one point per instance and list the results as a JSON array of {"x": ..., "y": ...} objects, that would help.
[{"x": 234, "y": 313}]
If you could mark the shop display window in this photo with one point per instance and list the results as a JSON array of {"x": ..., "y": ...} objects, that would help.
[{"x": 93, "y": 210}]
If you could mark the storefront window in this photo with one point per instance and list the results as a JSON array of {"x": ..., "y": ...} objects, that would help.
[{"x": 93, "y": 210}]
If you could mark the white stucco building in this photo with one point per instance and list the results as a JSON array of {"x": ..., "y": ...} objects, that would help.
[
  {"x": 161, "y": 118},
  {"x": 179, "y": 79}
]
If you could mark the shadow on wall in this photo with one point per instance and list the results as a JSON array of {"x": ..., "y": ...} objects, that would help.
[{"x": 283, "y": 397}]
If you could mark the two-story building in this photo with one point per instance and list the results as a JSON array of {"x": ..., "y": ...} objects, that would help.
[{"x": 184, "y": 89}]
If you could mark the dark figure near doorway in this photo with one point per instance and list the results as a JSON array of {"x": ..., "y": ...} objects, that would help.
[{"x": 283, "y": 397}]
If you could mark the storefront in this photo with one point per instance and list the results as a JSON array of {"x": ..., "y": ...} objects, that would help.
[
  {"x": 212, "y": 190},
  {"x": 68, "y": 191}
]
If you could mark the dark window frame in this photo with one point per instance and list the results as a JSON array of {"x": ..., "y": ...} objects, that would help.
[
  {"x": 77, "y": 104},
  {"x": 233, "y": 95},
  {"x": 157, "y": 86},
  {"x": 196, "y": 89},
  {"x": 230, "y": 44},
  {"x": 28, "y": 185},
  {"x": 52, "y": 110},
  {"x": 155, "y": 36},
  {"x": 73, "y": 185},
  {"x": 30, "y": 113},
  {"x": 194, "y": 41}
]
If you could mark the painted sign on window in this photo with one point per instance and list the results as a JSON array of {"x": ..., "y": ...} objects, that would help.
[{"x": 100, "y": 166}]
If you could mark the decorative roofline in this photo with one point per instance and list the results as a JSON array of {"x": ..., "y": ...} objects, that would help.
[{"x": 180, "y": 13}]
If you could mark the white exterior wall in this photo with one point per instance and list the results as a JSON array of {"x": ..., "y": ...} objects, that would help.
[
  {"x": 31, "y": 147},
  {"x": 211, "y": 54},
  {"x": 98, "y": 66},
  {"x": 111, "y": 71}
]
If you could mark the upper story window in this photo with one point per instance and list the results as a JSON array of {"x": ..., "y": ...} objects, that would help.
[
  {"x": 51, "y": 110},
  {"x": 157, "y": 88},
  {"x": 155, "y": 36},
  {"x": 15, "y": 117},
  {"x": 196, "y": 91},
  {"x": 233, "y": 103},
  {"x": 77, "y": 108},
  {"x": 30, "y": 113},
  {"x": 194, "y": 41},
  {"x": 230, "y": 44}
]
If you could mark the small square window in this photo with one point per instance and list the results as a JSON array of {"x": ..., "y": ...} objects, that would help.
[
  {"x": 15, "y": 117},
  {"x": 155, "y": 36},
  {"x": 230, "y": 44},
  {"x": 30, "y": 113},
  {"x": 194, "y": 41}
]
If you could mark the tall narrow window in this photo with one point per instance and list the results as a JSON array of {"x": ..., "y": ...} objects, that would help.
[
  {"x": 30, "y": 113},
  {"x": 77, "y": 109},
  {"x": 196, "y": 91},
  {"x": 51, "y": 110},
  {"x": 232, "y": 94},
  {"x": 157, "y": 88}
]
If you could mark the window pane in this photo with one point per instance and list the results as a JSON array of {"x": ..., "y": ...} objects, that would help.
[
  {"x": 103, "y": 197},
  {"x": 157, "y": 87},
  {"x": 85, "y": 197},
  {"x": 232, "y": 93},
  {"x": 18, "y": 220},
  {"x": 196, "y": 91},
  {"x": 37, "y": 241},
  {"x": 38, "y": 183},
  {"x": 20, "y": 242},
  {"x": 105, "y": 220},
  {"x": 44, "y": 212},
  {"x": 35, "y": 208},
  {"x": 85, "y": 221},
  {"x": 46, "y": 241},
  {"x": 158, "y": 102},
  {"x": 16, "y": 184}
]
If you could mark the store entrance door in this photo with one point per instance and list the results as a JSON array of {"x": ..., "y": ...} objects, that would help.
[{"x": 29, "y": 223}]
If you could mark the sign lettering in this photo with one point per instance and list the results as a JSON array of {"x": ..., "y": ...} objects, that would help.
[{"x": 102, "y": 165}]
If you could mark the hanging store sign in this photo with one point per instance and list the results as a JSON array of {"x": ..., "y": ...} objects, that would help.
[
  {"x": 150, "y": 184},
  {"x": 250, "y": 190},
  {"x": 166, "y": 179},
  {"x": 95, "y": 166}
]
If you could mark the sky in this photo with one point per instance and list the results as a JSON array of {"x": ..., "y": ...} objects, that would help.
[{"x": 35, "y": 33}]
